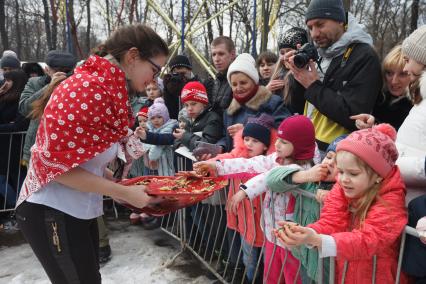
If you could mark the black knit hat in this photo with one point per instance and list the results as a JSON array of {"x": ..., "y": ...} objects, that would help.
[
  {"x": 326, "y": 9},
  {"x": 180, "y": 61},
  {"x": 259, "y": 128},
  {"x": 10, "y": 61},
  {"x": 60, "y": 59},
  {"x": 292, "y": 37}
]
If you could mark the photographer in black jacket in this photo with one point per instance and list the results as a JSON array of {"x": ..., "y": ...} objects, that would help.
[
  {"x": 345, "y": 80},
  {"x": 180, "y": 74}
]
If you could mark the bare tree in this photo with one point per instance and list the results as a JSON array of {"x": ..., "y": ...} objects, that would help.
[
  {"x": 414, "y": 15},
  {"x": 88, "y": 27},
  {"x": 3, "y": 30},
  {"x": 55, "y": 19},
  {"x": 46, "y": 17},
  {"x": 18, "y": 30}
]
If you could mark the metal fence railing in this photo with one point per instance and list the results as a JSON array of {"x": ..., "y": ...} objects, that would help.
[
  {"x": 12, "y": 173},
  {"x": 202, "y": 230}
]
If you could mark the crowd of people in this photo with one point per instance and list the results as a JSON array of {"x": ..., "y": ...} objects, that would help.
[{"x": 321, "y": 114}]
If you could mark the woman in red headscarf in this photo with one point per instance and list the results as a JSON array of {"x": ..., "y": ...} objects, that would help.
[{"x": 84, "y": 121}]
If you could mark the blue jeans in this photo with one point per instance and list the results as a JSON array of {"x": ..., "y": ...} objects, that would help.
[{"x": 250, "y": 259}]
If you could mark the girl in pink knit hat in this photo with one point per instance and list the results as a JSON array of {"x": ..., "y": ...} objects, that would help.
[{"x": 363, "y": 215}]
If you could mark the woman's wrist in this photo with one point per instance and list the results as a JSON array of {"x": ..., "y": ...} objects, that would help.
[
  {"x": 316, "y": 241},
  {"x": 119, "y": 191}
]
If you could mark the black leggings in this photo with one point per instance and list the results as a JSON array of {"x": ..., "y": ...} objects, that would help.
[{"x": 67, "y": 247}]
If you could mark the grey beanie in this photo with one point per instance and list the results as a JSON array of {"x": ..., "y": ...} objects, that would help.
[
  {"x": 326, "y": 9},
  {"x": 60, "y": 59},
  {"x": 10, "y": 53},
  {"x": 414, "y": 46},
  {"x": 10, "y": 61}
]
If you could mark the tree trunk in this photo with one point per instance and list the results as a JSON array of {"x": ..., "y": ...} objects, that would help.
[
  {"x": 209, "y": 24},
  {"x": 375, "y": 25},
  {"x": 138, "y": 13},
  {"x": 18, "y": 31},
  {"x": 132, "y": 11},
  {"x": 75, "y": 43},
  {"x": 265, "y": 25},
  {"x": 3, "y": 30},
  {"x": 231, "y": 21},
  {"x": 145, "y": 13},
  {"x": 119, "y": 14},
  {"x": 169, "y": 35},
  {"x": 414, "y": 15},
  {"x": 55, "y": 19},
  {"x": 108, "y": 18},
  {"x": 88, "y": 28},
  {"x": 47, "y": 24}
]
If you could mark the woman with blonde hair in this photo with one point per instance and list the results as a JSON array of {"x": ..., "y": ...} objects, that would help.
[{"x": 394, "y": 104}]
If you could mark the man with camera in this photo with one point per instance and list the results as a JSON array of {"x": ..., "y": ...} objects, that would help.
[
  {"x": 343, "y": 78},
  {"x": 180, "y": 74}
]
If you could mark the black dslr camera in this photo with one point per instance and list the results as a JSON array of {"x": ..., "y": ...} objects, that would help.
[{"x": 304, "y": 54}]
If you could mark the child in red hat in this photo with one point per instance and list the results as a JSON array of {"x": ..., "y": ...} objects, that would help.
[
  {"x": 142, "y": 117},
  {"x": 203, "y": 124}
]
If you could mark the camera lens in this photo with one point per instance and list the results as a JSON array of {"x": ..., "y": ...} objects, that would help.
[{"x": 301, "y": 59}]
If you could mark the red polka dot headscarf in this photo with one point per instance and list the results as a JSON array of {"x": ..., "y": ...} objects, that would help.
[{"x": 86, "y": 114}]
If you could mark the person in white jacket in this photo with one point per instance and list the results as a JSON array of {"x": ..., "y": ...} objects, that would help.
[
  {"x": 411, "y": 145},
  {"x": 411, "y": 139}
]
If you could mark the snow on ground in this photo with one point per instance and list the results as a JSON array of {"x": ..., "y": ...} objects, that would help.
[{"x": 138, "y": 257}]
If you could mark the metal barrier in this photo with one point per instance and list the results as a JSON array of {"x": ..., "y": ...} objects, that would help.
[
  {"x": 202, "y": 230},
  {"x": 12, "y": 173}
]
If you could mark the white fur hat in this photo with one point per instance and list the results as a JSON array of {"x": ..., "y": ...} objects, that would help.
[{"x": 246, "y": 64}]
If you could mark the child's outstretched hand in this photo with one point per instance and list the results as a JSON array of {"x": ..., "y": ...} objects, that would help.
[
  {"x": 178, "y": 133},
  {"x": 314, "y": 174},
  {"x": 205, "y": 168},
  {"x": 140, "y": 132},
  {"x": 292, "y": 235},
  {"x": 234, "y": 202}
]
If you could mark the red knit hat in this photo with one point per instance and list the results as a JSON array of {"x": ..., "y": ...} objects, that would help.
[
  {"x": 375, "y": 146},
  {"x": 194, "y": 91},
  {"x": 143, "y": 112},
  {"x": 299, "y": 130}
]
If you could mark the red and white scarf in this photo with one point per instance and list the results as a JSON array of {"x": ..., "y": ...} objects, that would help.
[{"x": 86, "y": 114}]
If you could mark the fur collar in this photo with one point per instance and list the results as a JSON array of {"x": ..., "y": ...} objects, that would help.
[{"x": 262, "y": 96}]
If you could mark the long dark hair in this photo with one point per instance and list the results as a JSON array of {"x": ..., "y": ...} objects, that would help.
[
  {"x": 19, "y": 79},
  {"x": 145, "y": 39}
]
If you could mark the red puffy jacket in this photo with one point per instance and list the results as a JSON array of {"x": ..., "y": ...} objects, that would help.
[
  {"x": 379, "y": 236},
  {"x": 247, "y": 223}
]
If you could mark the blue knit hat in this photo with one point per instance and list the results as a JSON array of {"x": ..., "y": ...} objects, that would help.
[
  {"x": 259, "y": 128},
  {"x": 326, "y": 9}
]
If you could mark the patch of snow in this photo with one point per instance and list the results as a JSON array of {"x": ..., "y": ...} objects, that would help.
[{"x": 138, "y": 256}]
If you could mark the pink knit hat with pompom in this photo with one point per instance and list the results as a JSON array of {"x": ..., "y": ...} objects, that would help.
[{"x": 375, "y": 146}]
